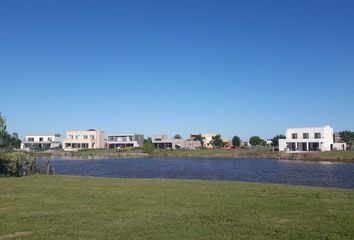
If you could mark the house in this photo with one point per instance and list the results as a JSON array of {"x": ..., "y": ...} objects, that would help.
[
  {"x": 89, "y": 139},
  {"x": 162, "y": 141},
  {"x": 208, "y": 137},
  {"x": 227, "y": 143},
  {"x": 191, "y": 144},
  {"x": 308, "y": 139},
  {"x": 268, "y": 142},
  {"x": 125, "y": 140},
  {"x": 36, "y": 142},
  {"x": 245, "y": 144}
]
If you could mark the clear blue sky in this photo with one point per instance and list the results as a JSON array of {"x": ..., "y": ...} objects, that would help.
[{"x": 179, "y": 66}]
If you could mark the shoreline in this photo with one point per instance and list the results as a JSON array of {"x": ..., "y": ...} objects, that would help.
[{"x": 289, "y": 157}]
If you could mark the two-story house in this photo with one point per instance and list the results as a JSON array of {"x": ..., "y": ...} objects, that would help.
[
  {"x": 75, "y": 140},
  {"x": 125, "y": 140},
  {"x": 162, "y": 141},
  {"x": 37, "y": 142},
  {"x": 307, "y": 139}
]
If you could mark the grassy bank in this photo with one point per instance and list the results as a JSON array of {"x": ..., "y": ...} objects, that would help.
[{"x": 59, "y": 207}]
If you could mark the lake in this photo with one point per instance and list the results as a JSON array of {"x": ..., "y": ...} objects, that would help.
[{"x": 325, "y": 174}]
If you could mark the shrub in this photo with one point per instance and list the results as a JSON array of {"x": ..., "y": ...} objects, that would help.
[
  {"x": 148, "y": 146},
  {"x": 17, "y": 164}
]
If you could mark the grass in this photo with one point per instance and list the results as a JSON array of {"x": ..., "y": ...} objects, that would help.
[
  {"x": 196, "y": 152},
  {"x": 61, "y": 207},
  {"x": 337, "y": 155}
]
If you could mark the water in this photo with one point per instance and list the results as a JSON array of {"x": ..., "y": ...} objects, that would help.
[{"x": 324, "y": 174}]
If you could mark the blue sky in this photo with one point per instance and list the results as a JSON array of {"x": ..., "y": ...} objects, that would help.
[{"x": 180, "y": 66}]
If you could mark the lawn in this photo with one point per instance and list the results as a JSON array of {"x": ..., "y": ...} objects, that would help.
[
  {"x": 61, "y": 207},
  {"x": 195, "y": 152},
  {"x": 335, "y": 155}
]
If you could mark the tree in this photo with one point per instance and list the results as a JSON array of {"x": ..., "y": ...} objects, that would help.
[
  {"x": 257, "y": 141},
  {"x": 236, "y": 141},
  {"x": 148, "y": 146},
  {"x": 347, "y": 136},
  {"x": 7, "y": 140},
  {"x": 200, "y": 139},
  {"x": 217, "y": 141},
  {"x": 275, "y": 140},
  {"x": 15, "y": 141},
  {"x": 4, "y": 136},
  {"x": 177, "y": 136},
  {"x": 2, "y": 123}
]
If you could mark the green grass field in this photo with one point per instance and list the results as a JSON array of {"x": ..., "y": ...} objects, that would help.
[{"x": 61, "y": 207}]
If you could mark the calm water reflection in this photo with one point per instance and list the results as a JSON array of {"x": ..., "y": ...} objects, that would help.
[{"x": 253, "y": 170}]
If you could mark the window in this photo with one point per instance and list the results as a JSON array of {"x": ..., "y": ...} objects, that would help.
[
  {"x": 294, "y": 136},
  {"x": 41, "y": 139},
  {"x": 317, "y": 135},
  {"x": 85, "y": 137},
  {"x": 31, "y": 139},
  {"x": 92, "y": 137},
  {"x": 71, "y": 136},
  {"x": 305, "y": 135},
  {"x": 49, "y": 139},
  {"x": 77, "y": 136}
]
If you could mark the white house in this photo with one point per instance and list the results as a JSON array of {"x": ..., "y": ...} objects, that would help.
[
  {"x": 308, "y": 139},
  {"x": 35, "y": 142},
  {"x": 125, "y": 140}
]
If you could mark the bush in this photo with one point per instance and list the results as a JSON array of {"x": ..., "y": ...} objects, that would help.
[
  {"x": 16, "y": 164},
  {"x": 148, "y": 146}
]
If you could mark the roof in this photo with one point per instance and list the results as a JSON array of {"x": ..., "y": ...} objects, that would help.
[
  {"x": 318, "y": 127},
  {"x": 43, "y": 134},
  {"x": 123, "y": 134}
]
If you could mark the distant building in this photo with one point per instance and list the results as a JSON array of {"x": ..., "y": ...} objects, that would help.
[
  {"x": 89, "y": 139},
  {"x": 227, "y": 143},
  {"x": 245, "y": 144},
  {"x": 39, "y": 142},
  {"x": 125, "y": 140},
  {"x": 162, "y": 141},
  {"x": 208, "y": 137},
  {"x": 309, "y": 139},
  {"x": 191, "y": 144},
  {"x": 268, "y": 142}
]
